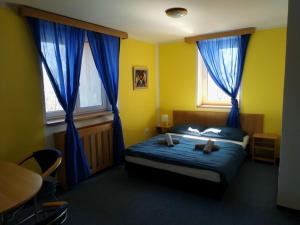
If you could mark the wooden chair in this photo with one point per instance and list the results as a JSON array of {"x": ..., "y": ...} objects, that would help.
[{"x": 49, "y": 161}]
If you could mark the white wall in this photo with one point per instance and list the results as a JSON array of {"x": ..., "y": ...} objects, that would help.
[{"x": 289, "y": 169}]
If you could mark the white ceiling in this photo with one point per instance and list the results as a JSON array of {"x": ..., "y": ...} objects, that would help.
[{"x": 146, "y": 19}]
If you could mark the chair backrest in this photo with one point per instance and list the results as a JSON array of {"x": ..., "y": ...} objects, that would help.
[{"x": 47, "y": 158}]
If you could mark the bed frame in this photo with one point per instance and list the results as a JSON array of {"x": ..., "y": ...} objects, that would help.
[
  {"x": 175, "y": 180},
  {"x": 251, "y": 123}
]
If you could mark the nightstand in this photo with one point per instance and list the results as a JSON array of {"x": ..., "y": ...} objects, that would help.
[
  {"x": 161, "y": 129},
  {"x": 265, "y": 147}
]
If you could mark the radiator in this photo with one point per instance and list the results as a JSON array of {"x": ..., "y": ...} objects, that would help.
[{"x": 97, "y": 142}]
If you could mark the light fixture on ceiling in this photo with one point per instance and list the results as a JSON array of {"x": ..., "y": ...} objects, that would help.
[{"x": 176, "y": 12}]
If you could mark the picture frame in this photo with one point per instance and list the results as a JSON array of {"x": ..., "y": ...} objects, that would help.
[{"x": 140, "y": 77}]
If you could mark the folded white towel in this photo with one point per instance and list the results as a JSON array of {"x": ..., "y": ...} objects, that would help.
[
  {"x": 169, "y": 140},
  {"x": 213, "y": 130},
  {"x": 193, "y": 130}
]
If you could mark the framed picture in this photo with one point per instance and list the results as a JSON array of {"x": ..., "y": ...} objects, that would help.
[{"x": 140, "y": 77}]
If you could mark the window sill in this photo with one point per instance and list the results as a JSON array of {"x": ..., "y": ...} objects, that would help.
[
  {"x": 79, "y": 117},
  {"x": 214, "y": 106}
]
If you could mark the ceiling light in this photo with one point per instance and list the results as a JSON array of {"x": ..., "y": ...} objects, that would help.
[{"x": 176, "y": 12}]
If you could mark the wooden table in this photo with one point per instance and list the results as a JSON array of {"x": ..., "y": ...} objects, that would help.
[{"x": 17, "y": 186}]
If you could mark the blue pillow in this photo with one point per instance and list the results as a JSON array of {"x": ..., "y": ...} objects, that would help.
[
  {"x": 190, "y": 129},
  {"x": 229, "y": 133}
]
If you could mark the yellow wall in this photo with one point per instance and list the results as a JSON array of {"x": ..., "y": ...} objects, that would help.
[
  {"x": 22, "y": 128},
  {"x": 21, "y": 118},
  {"x": 177, "y": 76},
  {"x": 137, "y": 107},
  {"x": 262, "y": 85}
]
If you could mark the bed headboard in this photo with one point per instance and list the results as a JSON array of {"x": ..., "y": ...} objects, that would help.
[{"x": 250, "y": 123}]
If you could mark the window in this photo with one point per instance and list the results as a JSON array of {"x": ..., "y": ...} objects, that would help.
[
  {"x": 208, "y": 93},
  {"x": 91, "y": 95}
]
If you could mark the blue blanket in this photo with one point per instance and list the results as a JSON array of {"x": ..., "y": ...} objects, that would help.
[{"x": 225, "y": 161}]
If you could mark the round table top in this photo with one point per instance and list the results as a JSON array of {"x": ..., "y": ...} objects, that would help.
[{"x": 17, "y": 185}]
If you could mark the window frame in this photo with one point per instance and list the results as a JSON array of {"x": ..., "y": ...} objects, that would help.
[
  {"x": 92, "y": 109},
  {"x": 78, "y": 111},
  {"x": 202, "y": 88}
]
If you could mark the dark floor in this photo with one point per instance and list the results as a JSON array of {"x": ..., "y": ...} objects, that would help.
[{"x": 114, "y": 198}]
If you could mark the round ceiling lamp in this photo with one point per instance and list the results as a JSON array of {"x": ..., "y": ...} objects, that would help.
[{"x": 176, "y": 12}]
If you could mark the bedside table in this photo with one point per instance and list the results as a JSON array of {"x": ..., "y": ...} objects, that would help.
[
  {"x": 264, "y": 147},
  {"x": 161, "y": 129}
]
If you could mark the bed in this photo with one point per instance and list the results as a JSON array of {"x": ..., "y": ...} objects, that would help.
[{"x": 218, "y": 167}]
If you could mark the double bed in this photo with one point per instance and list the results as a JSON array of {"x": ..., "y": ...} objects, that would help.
[{"x": 218, "y": 167}]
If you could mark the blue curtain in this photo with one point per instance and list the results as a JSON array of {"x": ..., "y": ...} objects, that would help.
[
  {"x": 224, "y": 59},
  {"x": 60, "y": 48},
  {"x": 106, "y": 50}
]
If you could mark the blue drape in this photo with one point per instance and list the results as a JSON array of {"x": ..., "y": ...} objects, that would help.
[
  {"x": 224, "y": 59},
  {"x": 60, "y": 48},
  {"x": 106, "y": 50}
]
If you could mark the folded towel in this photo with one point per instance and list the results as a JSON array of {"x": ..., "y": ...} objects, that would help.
[
  {"x": 164, "y": 141},
  {"x": 213, "y": 130},
  {"x": 199, "y": 146},
  {"x": 194, "y": 130},
  {"x": 208, "y": 147},
  {"x": 169, "y": 140}
]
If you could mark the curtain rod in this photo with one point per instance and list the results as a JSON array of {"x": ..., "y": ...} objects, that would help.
[
  {"x": 40, "y": 14},
  {"x": 193, "y": 39}
]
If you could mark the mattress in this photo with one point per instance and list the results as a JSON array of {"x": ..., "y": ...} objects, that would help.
[{"x": 200, "y": 173}]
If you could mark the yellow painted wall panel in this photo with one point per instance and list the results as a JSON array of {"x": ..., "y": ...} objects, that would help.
[
  {"x": 263, "y": 79},
  {"x": 177, "y": 74},
  {"x": 21, "y": 118},
  {"x": 22, "y": 129},
  {"x": 137, "y": 107},
  {"x": 22, "y": 126},
  {"x": 262, "y": 85}
]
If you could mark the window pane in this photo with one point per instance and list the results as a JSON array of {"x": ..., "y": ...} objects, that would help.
[
  {"x": 211, "y": 93},
  {"x": 214, "y": 93},
  {"x": 50, "y": 52},
  {"x": 90, "y": 93},
  {"x": 51, "y": 102},
  {"x": 230, "y": 58}
]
